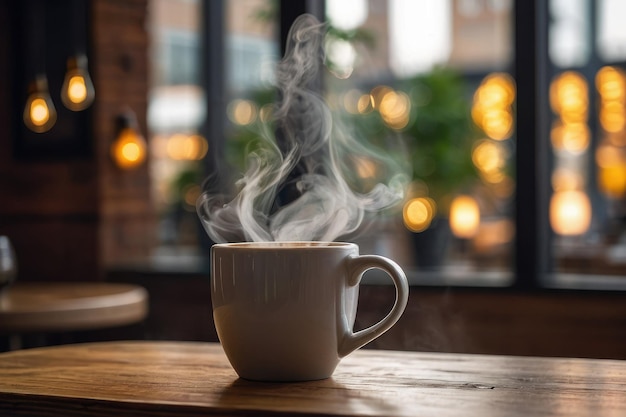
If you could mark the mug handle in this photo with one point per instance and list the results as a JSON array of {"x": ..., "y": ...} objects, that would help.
[{"x": 357, "y": 266}]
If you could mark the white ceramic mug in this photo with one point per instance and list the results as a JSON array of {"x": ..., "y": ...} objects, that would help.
[{"x": 284, "y": 311}]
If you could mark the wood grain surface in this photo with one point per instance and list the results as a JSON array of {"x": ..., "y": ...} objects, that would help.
[
  {"x": 194, "y": 379},
  {"x": 71, "y": 306}
]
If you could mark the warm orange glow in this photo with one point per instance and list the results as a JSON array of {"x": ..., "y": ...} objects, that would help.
[
  {"x": 612, "y": 180},
  {"x": 570, "y": 212},
  {"x": 497, "y": 90},
  {"x": 129, "y": 149},
  {"x": 492, "y": 234},
  {"x": 181, "y": 147},
  {"x": 242, "y": 112},
  {"x": 175, "y": 146},
  {"x": 77, "y": 92},
  {"x": 564, "y": 179},
  {"x": 378, "y": 93},
  {"x": 131, "y": 152},
  {"x": 395, "y": 109},
  {"x": 365, "y": 104},
  {"x": 608, "y": 155},
  {"x": 611, "y": 161},
  {"x": 200, "y": 147},
  {"x": 491, "y": 108},
  {"x": 572, "y": 137},
  {"x": 616, "y": 139},
  {"x": 494, "y": 177},
  {"x": 569, "y": 97},
  {"x": 497, "y": 123},
  {"x": 612, "y": 116},
  {"x": 39, "y": 112},
  {"x": 158, "y": 146},
  {"x": 489, "y": 158},
  {"x": 611, "y": 84},
  {"x": 418, "y": 213},
  {"x": 464, "y": 216}
]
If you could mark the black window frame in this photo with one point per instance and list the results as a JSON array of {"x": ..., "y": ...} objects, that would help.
[{"x": 533, "y": 262}]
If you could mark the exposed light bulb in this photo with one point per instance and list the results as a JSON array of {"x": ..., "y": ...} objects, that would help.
[
  {"x": 77, "y": 92},
  {"x": 129, "y": 148},
  {"x": 39, "y": 112}
]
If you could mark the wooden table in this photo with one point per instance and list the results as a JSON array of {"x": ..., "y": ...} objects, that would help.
[
  {"x": 60, "y": 307},
  {"x": 195, "y": 379}
]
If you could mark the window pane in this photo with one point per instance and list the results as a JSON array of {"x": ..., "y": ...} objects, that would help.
[
  {"x": 252, "y": 51},
  {"x": 440, "y": 89},
  {"x": 569, "y": 32},
  {"x": 588, "y": 138},
  {"x": 611, "y": 30},
  {"x": 176, "y": 111},
  {"x": 443, "y": 63}
]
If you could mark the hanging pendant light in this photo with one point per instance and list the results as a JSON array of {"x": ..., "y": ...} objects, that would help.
[
  {"x": 129, "y": 148},
  {"x": 39, "y": 112},
  {"x": 77, "y": 92}
]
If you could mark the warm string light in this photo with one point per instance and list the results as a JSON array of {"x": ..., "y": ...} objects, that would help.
[
  {"x": 492, "y": 109},
  {"x": 569, "y": 101},
  {"x": 570, "y": 207},
  {"x": 39, "y": 112},
  {"x": 464, "y": 216},
  {"x": 611, "y": 152},
  {"x": 418, "y": 213},
  {"x": 492, "y": 112},
  {"x": 570, "y": 212},
  {"x": 129, "y": 148},
  {"x": 77, "y": 92}
]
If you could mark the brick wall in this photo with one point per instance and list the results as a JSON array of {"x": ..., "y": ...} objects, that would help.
[
  {"x": 68, "y": 218},
  {"x": 120, "y": 50}
]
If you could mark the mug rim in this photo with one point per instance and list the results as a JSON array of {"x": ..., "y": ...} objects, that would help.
[{"x": 285, "y": 245}]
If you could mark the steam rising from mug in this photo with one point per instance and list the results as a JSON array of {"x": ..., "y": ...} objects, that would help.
[{"x": 303, "y": 183}]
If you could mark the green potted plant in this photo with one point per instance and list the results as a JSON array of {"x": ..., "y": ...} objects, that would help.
[{"x": 439, "y": 135}]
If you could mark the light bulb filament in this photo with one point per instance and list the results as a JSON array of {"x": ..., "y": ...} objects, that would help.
[
  {"x": 77, "y": 92},
  {"x": 77, "y": 89},
  {"x": 129, "y": 149},
  {"x": 39, "y": 112}
]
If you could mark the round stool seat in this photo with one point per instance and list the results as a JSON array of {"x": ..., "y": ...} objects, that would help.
[{"x": 69, "y": 306}]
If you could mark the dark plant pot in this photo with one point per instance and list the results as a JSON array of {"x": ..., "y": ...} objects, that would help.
[{"x": 430, "y": 246}]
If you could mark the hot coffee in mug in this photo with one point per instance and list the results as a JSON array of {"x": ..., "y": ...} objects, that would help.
[{"x": 284, "y": 311}]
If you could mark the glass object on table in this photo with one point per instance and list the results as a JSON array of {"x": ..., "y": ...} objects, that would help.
[{"x": 8, "y": 263}]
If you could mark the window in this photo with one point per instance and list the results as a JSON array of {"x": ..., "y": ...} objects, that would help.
[
  {"x": 451, "y": 61},
  {"x": 180, "y": 55},
  {"x": 511, "y": 184},
  {"x": 587, "y": 136}
]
